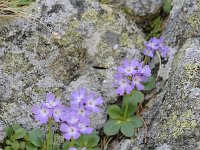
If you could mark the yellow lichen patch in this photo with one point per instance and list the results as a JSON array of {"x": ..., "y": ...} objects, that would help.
[
  {"x": 90, "y": 15},
  {"x": 108, "y": 16},
  {"x": 178, "y": 124},
  {"x": 191, "y": 70},
  {"x": 125, "y": 40},
  {"x": 14, "y": 63},
  {"x": 194, "y": 21}
]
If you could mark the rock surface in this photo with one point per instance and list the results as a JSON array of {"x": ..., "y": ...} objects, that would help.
[
  {"x": 74, "y": 44},
  {"x": 144, "y": 8}
]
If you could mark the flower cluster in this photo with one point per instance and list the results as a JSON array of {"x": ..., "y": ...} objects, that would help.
[
  {"x": 155, "y": 44},
  {"x": 74, "y": 119},
  {"x": 52, "y": 108},
  {"x": 130, "y": 75}
]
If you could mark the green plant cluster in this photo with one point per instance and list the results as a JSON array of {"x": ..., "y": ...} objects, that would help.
[
  {"x": 88, "y": 141},
  {"x": 124, "y": 118},
  {"x": 17, "y": 138}
]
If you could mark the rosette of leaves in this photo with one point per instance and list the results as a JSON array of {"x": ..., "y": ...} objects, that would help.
[
  {"x": 123, "y": 119},
  {"x": 17, "y": 138},
  {"x": 88, "y": 141}
]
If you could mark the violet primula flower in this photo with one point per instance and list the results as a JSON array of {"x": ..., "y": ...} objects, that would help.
[
  {"x": 72, "y": 118},
  {"x": 144, "y": 70},
  {"x": 155, "y": 44},
  {"x": 81, "y": 110},
  {"x": 58, "y": 111},
  {"x": 72, "y": 148},
  {"x": 83, "y": 125},
  {"x": 128, "y": 68},
  {"x": 163, "y": 51},
  {"x": 136, "y": 81},
  {"x": 51, "y": 101},
  {"x": 42, "y": 113},
  {"x": 91, "y": 102},
  {"x": 77, "y": 96},
  {"x": 123, "y": 84},
  {"x": 149, "y": 52},
  {"x": 70, "y": 131}
]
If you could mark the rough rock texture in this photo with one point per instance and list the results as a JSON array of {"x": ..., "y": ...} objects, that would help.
[
  {"x": 176, "y": 122},
  {"x": 144, "y": 8},
  {"x": 183, "y": 22},
  {"x": 74, "y": 44}
]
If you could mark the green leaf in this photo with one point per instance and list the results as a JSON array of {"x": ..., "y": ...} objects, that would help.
[
  {"x": 35, "y": 137},
  {"x": 114, "y": 112},
  {"x": 36, "y": 131},
  {"x": 132, "y": 101},
  {"x": 15, "y": 127},
  {"x": 149, "y": 84},
  {"x": 9, "y": 132},
  {"x": 15, "y": 145},
  {"x": 92, "y": 140},
  {"x": 8, "y": 142},
  {"x": 55, "y": 147},
  {"x": 80, "y": 141},
  {"x": 66, "y": 145},
  {"x": 22, "y": 145},
  {"x": 8, "y": 148},
  {"x": 94, "y": 148},
  {"x": 19, "y": 133},
  {"x": 111, "y": 127},
  {"x": 167, "y": 6},
  {"x": 137, "y": 122},
  {"x": 30, "y": 146},
  {"x": 127, "y": 129}
]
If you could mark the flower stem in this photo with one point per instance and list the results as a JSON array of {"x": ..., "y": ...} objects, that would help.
[
  {"x": 146, "y": 59},
  {"x": 159, "y": 64},
  {"x": 126, "y": 110},
  {"x": 72, "y": 142},
  {"x": 49, "y": 134}
]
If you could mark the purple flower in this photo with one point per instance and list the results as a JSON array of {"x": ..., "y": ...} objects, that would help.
[
  {"x": 72, "y": 148},
  {"x": 136, "y": 81},
  {"x": 42, "y": 113},
  {"x": 72, "y": 118},
  {"x": 123, "y": 84},
  {"x": 58, "y": 111},
  {"x": 77, "y": 96},
  {"x": 149, "y": 52},
  {"x": 91, "y": 102},
  {"x": 145, "y": 70},
  {"x": 81, "y": 110},
  {"x": 51, "y": 101},
  {"x": 70, "y": 131},
  {"x": 163, "y": 51},
  {"x": 154, "y": 43},
  {"x": 128, "y": 68},
  {"x": 83, "y": 126}
]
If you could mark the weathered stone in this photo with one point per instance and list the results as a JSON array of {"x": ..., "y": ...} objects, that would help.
[
  {"x": 183, "y": 22},
  {"x": 143, "y": 8}
]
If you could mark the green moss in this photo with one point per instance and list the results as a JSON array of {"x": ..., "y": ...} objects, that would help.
[
  {"x": 14, "y": 63},
  {"x": 154, "y": 29}
]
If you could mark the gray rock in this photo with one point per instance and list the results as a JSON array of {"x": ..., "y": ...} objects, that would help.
[
  {"x": 144, "y": 8},
  {"x": 183, "y": 22},
  {"x": 72, "y": 44}
]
